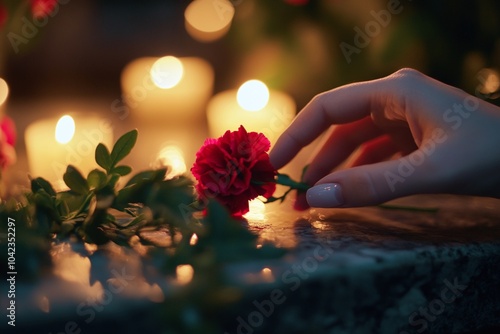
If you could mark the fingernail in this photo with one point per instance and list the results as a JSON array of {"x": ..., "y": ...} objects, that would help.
[{"x": 328, "y": 195}]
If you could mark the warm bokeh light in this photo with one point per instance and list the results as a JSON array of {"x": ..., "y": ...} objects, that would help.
[
  {"x": 208, "y": 20},
  {"x": 490, "y": 81},
  {"x": 4, "y": 91},
  {"x": 257, "y": 210},
  {"x": 193, "y": 240},
  {"x": 184, "y": 273},
  {"x": 65, "y": 129},
  {"x": 43, "y": 303},
  {"x": 167, "y": 72},
  {"x": 253, "y": 95},
  {"x": 172, "y": 157},
  {"x": 267, "y": 275}
]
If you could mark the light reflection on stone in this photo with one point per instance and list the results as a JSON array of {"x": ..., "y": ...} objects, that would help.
[
  {"x": 257, "y": 210},
  {"x": 193, "y": 240},
  {"x": 184, "y": 273},
  {"x": 43, "y": 303},
  {"x": 74, "y": 268},
  {"x": 267, "y": 275}
]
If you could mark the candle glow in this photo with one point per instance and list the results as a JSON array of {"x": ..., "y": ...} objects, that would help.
[
  {"x": 172, "y": 157},
  {"x": 253, "y": 95},
  {"x": 167, "y": 72},
  {"x": 65, "y": 129},
  {"x": 254, "y": 106},
  {"x": 4, "y": 91},
  {"x": 208, "y": 20}
]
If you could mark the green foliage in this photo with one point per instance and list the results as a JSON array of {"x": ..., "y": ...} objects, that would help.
[{"x": 96, "y": 209}]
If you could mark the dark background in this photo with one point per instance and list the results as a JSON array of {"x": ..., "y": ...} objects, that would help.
[{"x": 82, "y": 49}]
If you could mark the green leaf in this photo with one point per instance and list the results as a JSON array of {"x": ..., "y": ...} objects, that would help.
[
  {"x": 96, "y": 179},
  {"x": 113, "y": 179},
  {"x": 122, "y": 170},
  {"x": 148, "y": 175},
  {"x": 41, "y": 183},
  {"x": 44, "y": 200},
  {"x": 75, "y": 181},
  {"x": 102, "y": 156},
  {"x": 123, "y": 146}
]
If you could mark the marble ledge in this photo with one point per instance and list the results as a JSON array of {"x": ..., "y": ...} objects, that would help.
[{"x": 360, "y": 270}]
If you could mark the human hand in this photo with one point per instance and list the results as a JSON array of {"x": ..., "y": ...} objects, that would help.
[{"x": 449, "y": 142}]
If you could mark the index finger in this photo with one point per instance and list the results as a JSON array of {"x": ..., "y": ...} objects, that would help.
[{"x": 340, "y": 105}]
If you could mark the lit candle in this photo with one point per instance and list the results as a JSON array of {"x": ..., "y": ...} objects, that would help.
[
  {"x": 167, "y": 89},
  {"x": 53, "y": 144},
  {"x": 4, "y": 94},
  {"x": 171, "y": 156},
  {"x": 208, "y": 20},
  {"x": 254, "y": 106}
]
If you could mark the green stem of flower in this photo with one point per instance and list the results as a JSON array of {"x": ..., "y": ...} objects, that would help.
[{"x": 285, "y": 180}]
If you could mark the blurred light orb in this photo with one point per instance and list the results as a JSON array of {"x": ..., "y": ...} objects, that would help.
[
  {"x": 167, "y": 72},
  {"x": 253, "y": 95},
  {"x": 184, "y": 273},
  {"x": 257, "y": 210},
  {"x": 208, "y": 20},
  {"x": 172, "y": 157},
  {"x": 65, "y": 129},
  {"x": 4, "y": 91},
  {"x": 489, "y": 80}
]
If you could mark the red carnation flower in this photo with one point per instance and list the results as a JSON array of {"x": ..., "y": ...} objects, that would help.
[
  {"x": 7, "y": 141},
  {"x": 42, "y": 8},
  {"x": 234, "y": 169},
  {"x": 297, "y": 2},
  {"x": 3, "y": 15}
]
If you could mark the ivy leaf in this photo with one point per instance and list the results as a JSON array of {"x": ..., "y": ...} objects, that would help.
[
  {"x": 123, "y": 146},
  {"x": 96, "y": 179},
  {"x": 41, "y": 183},
  {"x": 122, "y": 170},
  {"x": 75, "y": 181},
  {"x": 102, "y": 156}
]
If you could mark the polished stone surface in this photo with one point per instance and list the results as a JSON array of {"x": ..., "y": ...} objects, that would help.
[
  {"x": 359, "y": 270},
  {"x": 374, "y": 270}
]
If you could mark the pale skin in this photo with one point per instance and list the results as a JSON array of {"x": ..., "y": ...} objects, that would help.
[{"x": 448, "y": 140}]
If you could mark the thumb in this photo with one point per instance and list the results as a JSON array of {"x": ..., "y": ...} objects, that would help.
[{"x": 378, "y": 183}]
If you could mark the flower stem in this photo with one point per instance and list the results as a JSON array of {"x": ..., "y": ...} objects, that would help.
[{"x": 285, "y": 180}]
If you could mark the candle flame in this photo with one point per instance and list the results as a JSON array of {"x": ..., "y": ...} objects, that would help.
[
  {"x": 167, "y": 72},
  {"x": 65, "y": 129},
  {"x": 253, "y": 95},
  {"x": 4, "y": 91},
  {"x": 171, "y": 156}
]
